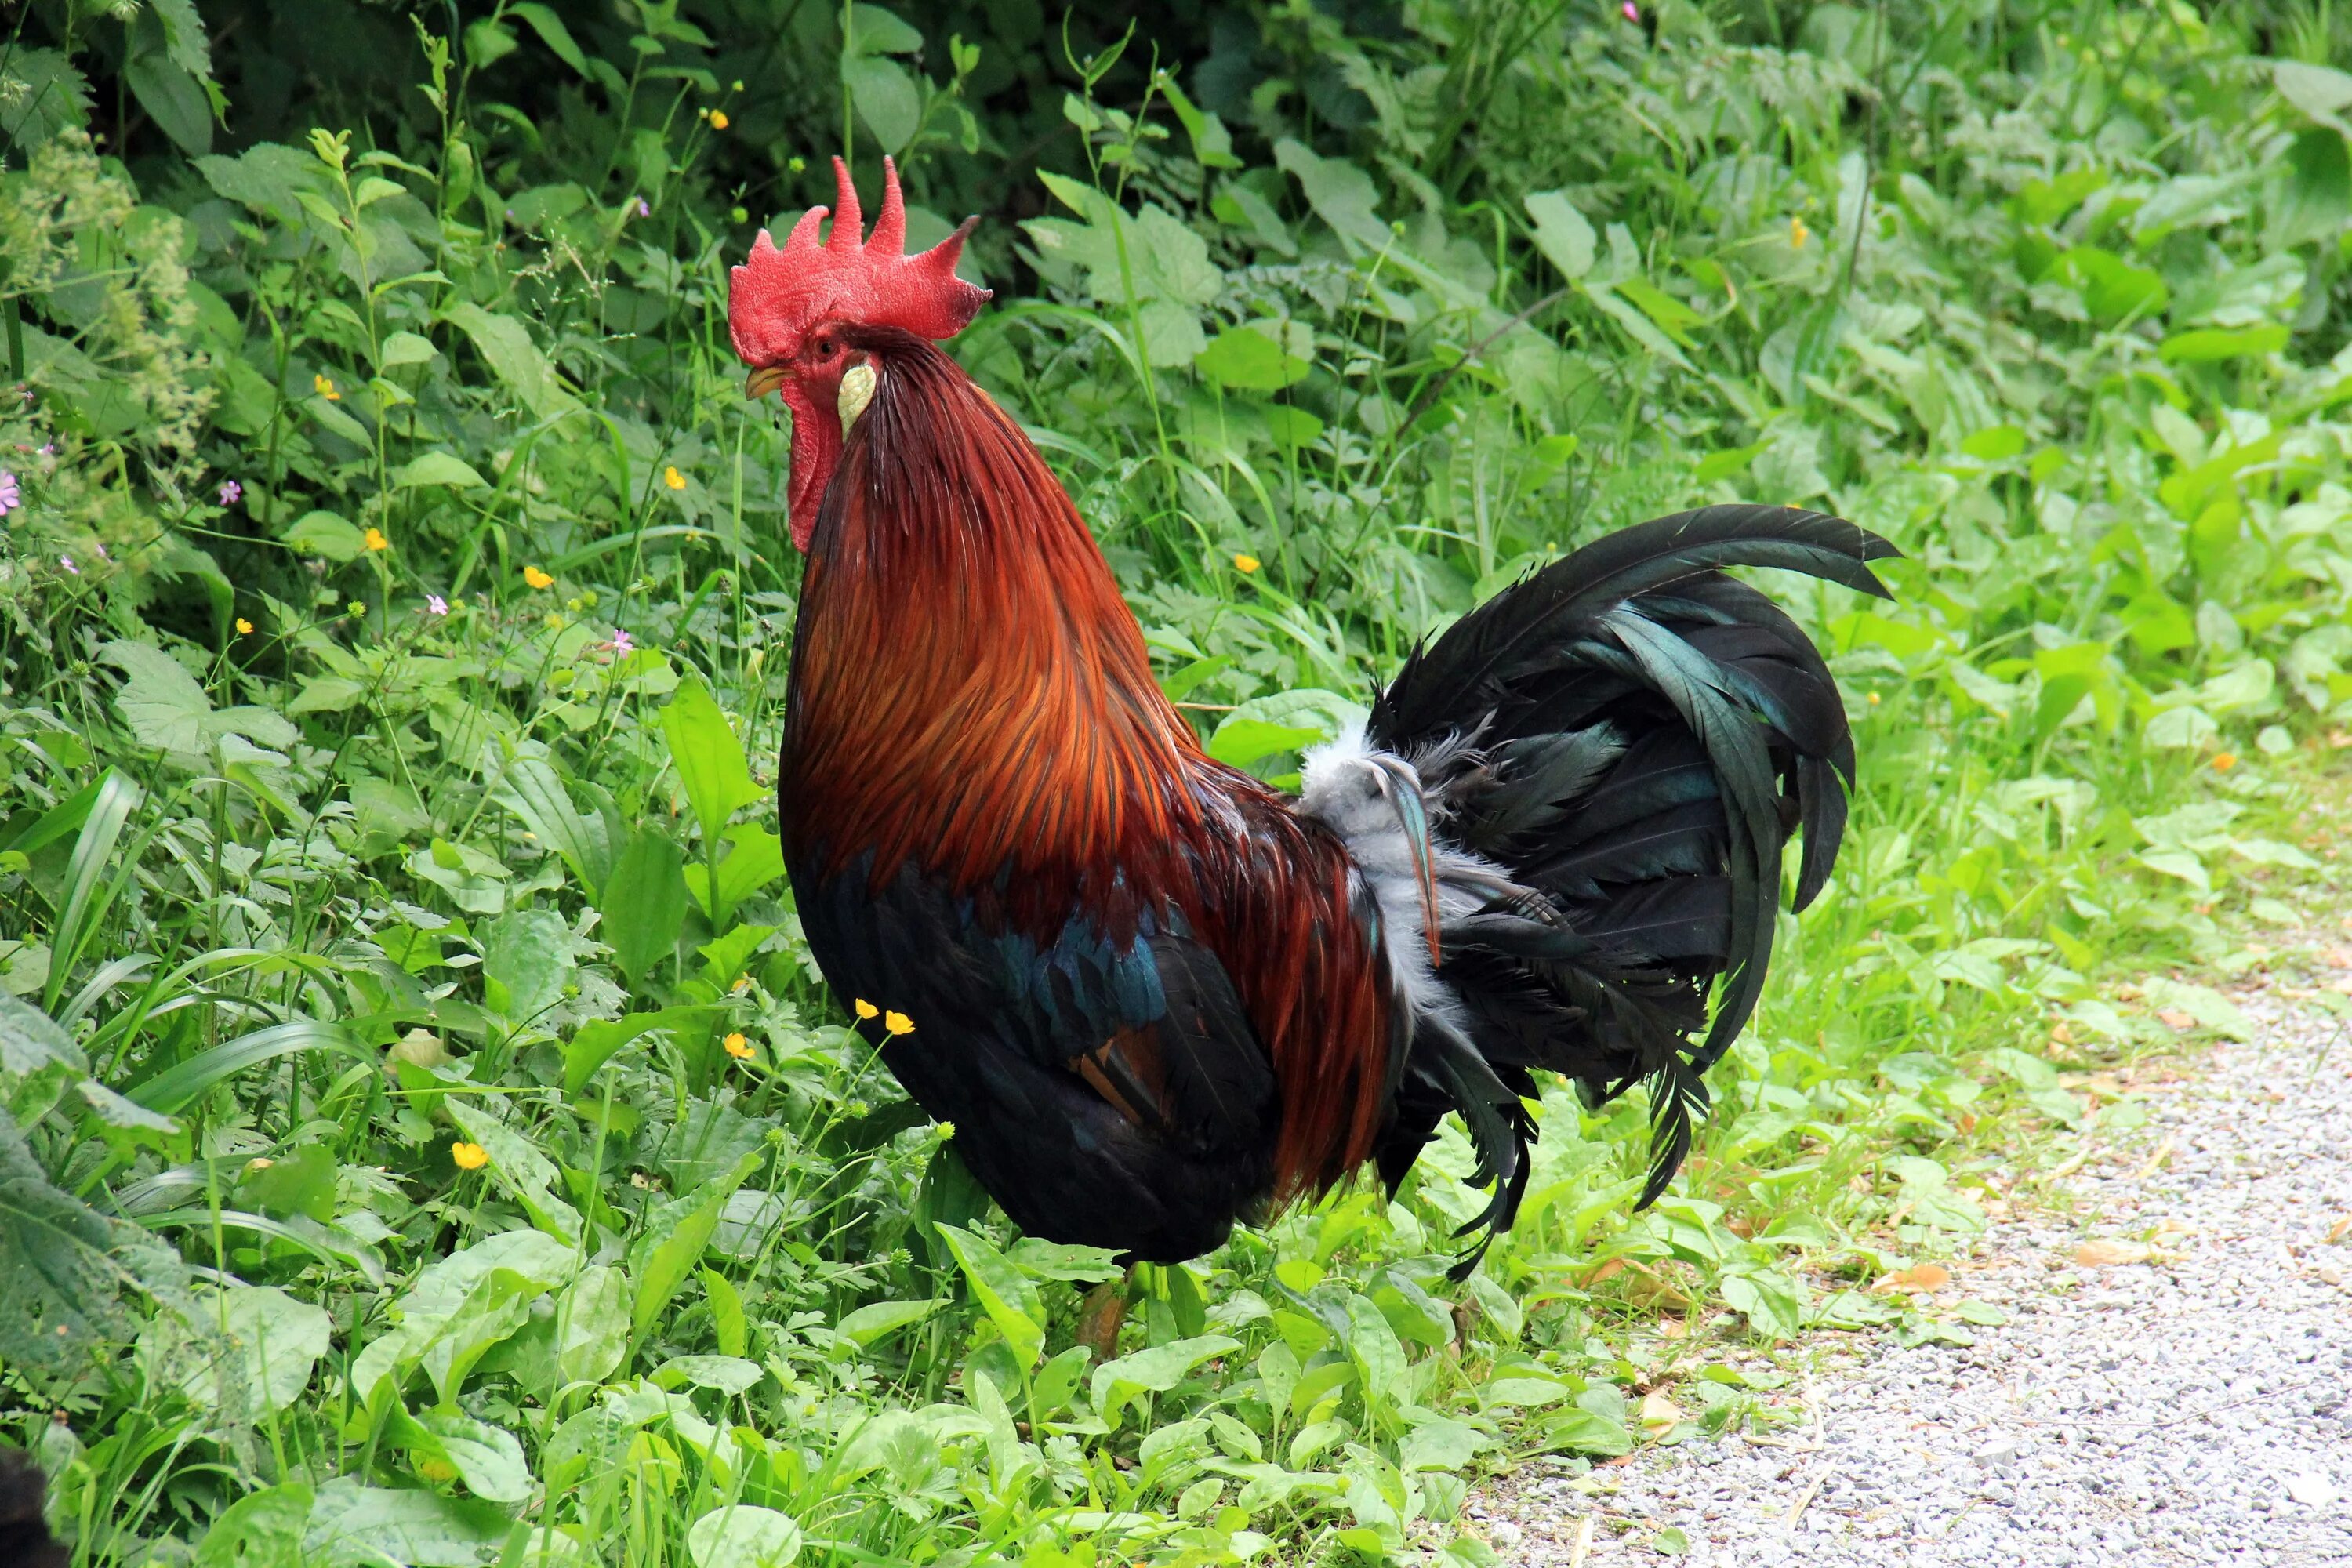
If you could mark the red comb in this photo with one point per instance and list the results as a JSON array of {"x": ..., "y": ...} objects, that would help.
[{"x": 779, "y": 294}]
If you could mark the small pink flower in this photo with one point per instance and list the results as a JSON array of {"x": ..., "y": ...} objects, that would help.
[
  {"x": 102, "y": 555},
  {"x": 435, "y": 604},
  {"x": 644, "y": 207},
  {"x": 1632, "y": 12},
  {"x": 231, "y": 492},
  {"x": 621, "y": 643},
  {"x": 46, "y": 450},
  {"x": 11, "y": 498},
  {"x": 66, "y": 562}
]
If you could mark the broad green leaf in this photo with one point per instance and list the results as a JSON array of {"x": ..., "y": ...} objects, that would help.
[
  {"x": 1213, "y": 144},
  {"x": 671, "y": 1244},
  {"x": 879, "y": 1320},
  {"x": 1668, "y": 314},
  {"x": 353, "y": 1525},
  {"x": 535, "y": 792},
  {"x": 706, "y": 1142},
  {"x": 1638, "y": 326},
  {"x": 885, "y": 98},
  {"x": 1379, "y": 1359},
  {"x": 755, "y": 858},
  {"x": 460, "y": 1306},
  {"x": 593, "y": 1044},
  {"x": 2206, "y": 345},
  {"x": 487, "y": 1458},
  {"x": 48, "y": 95},
  {"x": 526, "y": 962},
  {"x": 173, "y": 98},
  {"x": 1772, "y": 1303},
  {"x": 1118, "y": 1383},
  {"x": 2322, "y": 92},
  {"x": 727, "y": 1320},
  {"x": 2272, "y": 852},
  {"x": 1243, "y": 742},
  {"x": 709, "y": 758},
  {"x": 1006, "y": 1294},
  {"x": 2112, "y": 288},
  {"x": 730, "y": 954},
  {"x": 1561, "y": 233},
  {"x": 743, "y": 1536},
  {"x": 552, "y": 33},
  {"x": 1439, "y": 1444},
  {"x": 30, "y": 1042},
  {"x": 2208, "y": 1007},
  {"x": 322, "y": 534},
  {"x": 592, "y": 1325},
  {"x": 517, "y": 1169},
  {"x": 260, "y": 1530},
  {"x": 875, "y": 31},
  {"x": 65, "y": 1268},
  {"x": 302, "y": 1181},
  {"x": 404, "y": 348},
  {"x": 428, "y": 468},
  {"x": 1343, "y": 196},
  {"x": 2317, "y": 200},
  {"x": 506, "y": 347},
  {"x": 238, "y": 1353},
  {"x": 730, "y": 1375},
  {"x": 1034, "y": 1254},
  {"x": 165, "y": 707},
  {"x": 644, "y": 902},
  {"x": 1249, "y": 361}
]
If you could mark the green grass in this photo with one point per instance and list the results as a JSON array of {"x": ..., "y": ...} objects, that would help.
[{"x": 421, "y": 1129}]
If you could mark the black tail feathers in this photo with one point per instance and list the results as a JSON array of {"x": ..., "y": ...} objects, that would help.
[{"x": 1635, "y": 736}]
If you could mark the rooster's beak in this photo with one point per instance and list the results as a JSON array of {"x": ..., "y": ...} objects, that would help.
[{"x": 764, "y": 380}]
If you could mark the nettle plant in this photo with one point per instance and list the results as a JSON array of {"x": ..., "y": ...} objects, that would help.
[{"x": 436, "y": 1139}]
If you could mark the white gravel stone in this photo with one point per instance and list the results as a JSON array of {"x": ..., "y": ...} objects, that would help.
[{"x": 2195, "y": 1409}]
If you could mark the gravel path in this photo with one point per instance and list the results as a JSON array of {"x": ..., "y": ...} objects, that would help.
[{"x": 2193, "y": 1408}]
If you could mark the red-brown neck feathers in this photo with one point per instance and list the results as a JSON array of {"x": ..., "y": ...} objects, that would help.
[{"x": 968, "y": 689}]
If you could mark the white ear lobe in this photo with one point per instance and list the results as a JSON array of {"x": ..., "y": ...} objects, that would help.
[{"x": 856, "y": 392}]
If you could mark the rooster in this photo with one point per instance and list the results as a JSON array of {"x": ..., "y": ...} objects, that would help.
[{"x": 1157, "y": 996}]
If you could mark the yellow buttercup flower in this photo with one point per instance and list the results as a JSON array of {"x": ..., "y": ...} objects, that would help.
[
  {"x": 866, "y": 1010},
  {"x": 739, "y": 1047},
  {"x": 718, "y": 120},
  {"x": 325, "y": 388},
  {"x": 537, "y": 578},
  {"x": 1245, "y": 564},
  {"x": 2224, "y": 761},
  {"x": 897, "y": 1022},
  {"x": 244, "y": 628},
  {"x": 469, "y": 1156},
  {"x": 376, "y": 541},
  {"x": 673, "y": 478},
  {"x": 1798, "y": 232}
]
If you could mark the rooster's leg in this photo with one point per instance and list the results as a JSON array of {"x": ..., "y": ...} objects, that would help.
[{"x": 1101, "y": 1315}]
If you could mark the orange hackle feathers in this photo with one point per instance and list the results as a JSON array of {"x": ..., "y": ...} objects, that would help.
[{"x": 776, "y": 296}]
